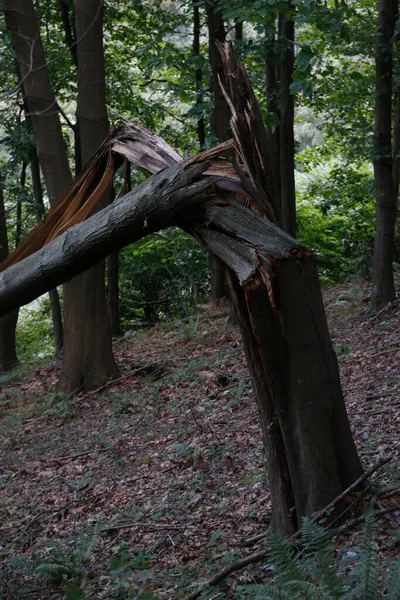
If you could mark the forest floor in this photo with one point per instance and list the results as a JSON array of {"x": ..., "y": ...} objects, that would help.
[{"x": 155, "y": 481}]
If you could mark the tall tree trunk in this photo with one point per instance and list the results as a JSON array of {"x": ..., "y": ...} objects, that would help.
[
  {"x": 20, "y": 198},
  {"x": 113, "y": 293},
  {"x": 88, "y": 357},
  {"x": 219, "y": 118},
  {"x": 25, "y": 33},
  {"x": 386, "y": 199},
  {"x": 55, "y": 307},
  {"x": 201, "y": 131},
  {"x": 8, "y": 322},
  {"x": 239, "y": 31},
  {"x": 287, "y": 183},
  {"x": 41, "y": 111},
  {"x": 271, "y": 84}
]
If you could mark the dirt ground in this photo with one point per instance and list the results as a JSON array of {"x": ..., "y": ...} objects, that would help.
[{"x": 155, "y": 481}]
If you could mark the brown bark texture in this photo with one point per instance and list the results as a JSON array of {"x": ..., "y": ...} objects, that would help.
[
  {"x": 286, "y": 130},
  {"x": 219, "y": 118},
  {"x": 41, "y": 111},
  {"x": 201, "y": 130},
  {"x": 385, "y": 176},
  {"x": 88, "y": 359},
  {"x": 311, "y": 456},
  {"x": 24, "y": 30},
  {"x": 8, "y": 322}
]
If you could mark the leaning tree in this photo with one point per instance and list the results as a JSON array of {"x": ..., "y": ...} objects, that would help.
[{"x": 225, "y": 198}]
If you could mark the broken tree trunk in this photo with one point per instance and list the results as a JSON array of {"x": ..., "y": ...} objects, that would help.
[{"x": 311, "y": 456}]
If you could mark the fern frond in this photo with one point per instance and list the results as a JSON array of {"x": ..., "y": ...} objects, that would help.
[
  {"x": 264, "y": 591},
  {"x": 393, "y": 582},
  {"x": 369, "y": 558},
  {"x": 52, "y": 571},
  {"x": 283, "y": 557},
  {"x": 320, "y": 547}
]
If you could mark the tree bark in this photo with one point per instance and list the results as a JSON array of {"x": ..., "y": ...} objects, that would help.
[
  {"x": 286, "y": 133},
  {"x": 219, "y": 119},
  {"x": 55, "y": 306},
  {"x": 8, "y": 322},
  {"x": 201, "y": 130},
  {"x": 386, "y": 199},
  {"x": 24, "y": 29},
  {"x": 113, "y": 293},
  {"x": 88, "y": 358},
  {"x": 41, "y": 111}
]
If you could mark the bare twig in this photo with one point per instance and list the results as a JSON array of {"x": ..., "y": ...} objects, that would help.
[
  {"x": 71, "y": 456},
  {"x": 389, "y": 351},
  {"x": 376, "y": 396},
  {"x": 156, "y": 526},
  {"x": 357, "y": 520}
]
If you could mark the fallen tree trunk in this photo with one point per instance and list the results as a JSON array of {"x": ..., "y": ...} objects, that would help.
[{"x": 150, "y": 207}]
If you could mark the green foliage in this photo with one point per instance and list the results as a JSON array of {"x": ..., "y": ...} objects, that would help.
[
  {"x": 319, "y": 572},
  {"x": 35, "y": 332},
  {"x": 128, "y": 572},
  {"x": 162, "y": 277},
  {"x": 336, "y": 214}
]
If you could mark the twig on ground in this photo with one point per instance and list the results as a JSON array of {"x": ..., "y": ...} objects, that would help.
[
  {"x": 257, "y": 556},
  {"x": 156, "y": 526},
  {"x": 389, "y": 351},
  {"x": 380, "y": 463},
  {"x": 376, "y": 396},
  {"x": 235, "y": 566},
  {"x": 357, "y": 520},
  {"x": 71, "y": 456}
]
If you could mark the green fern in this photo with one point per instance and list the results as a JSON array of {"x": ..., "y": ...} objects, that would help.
[
  {"x": 317, "y": 574},
  {"x": 369, "y": 559},
  {"x": 284, "y": 559},
  {"x": 320, "y": 549},
  {"x": 393, "y": 582}
]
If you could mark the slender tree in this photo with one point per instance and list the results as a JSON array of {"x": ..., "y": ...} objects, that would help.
[
  {"x": 201, "y": 132},
  {"x": 41, "y": 111},
  {"x": 8, "y": 322},
  {"x": 385, "y": 164},
  {"x": 286, "y": 134},
  {"x": 88, "y": 357},
  {"x": 219, "y": 118}
]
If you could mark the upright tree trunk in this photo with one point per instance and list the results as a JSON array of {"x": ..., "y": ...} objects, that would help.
[
  {"x": 20, "y": 198},
  {"x": 55, "y": 307},
  {"x": 219, "y": 118},
  {"x": 8, "y": 323},
  {"x": 88, "y": 357},
  {"x": 201, "y": 131},
  {"x": 239, "y": 31},
  {"x": 386, "y": 198},
  {"x": 41, "y": 110},
  {"x": 287, "y": 183},
  {"x": 271, "y": 84},
  {"x": 25, "y": 33},
  {"x": 113, "y": 293}
]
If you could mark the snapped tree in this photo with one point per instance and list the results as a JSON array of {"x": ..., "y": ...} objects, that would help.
[{"x": 226, "y": 204}]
